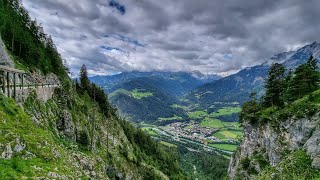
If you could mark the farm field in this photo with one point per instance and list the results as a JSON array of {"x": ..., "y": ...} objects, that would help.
[
  {"x": 229, "y": 134},
  {"x": 226, "y": 111},
  {"x": 168, "y": 144},
  {"x": 198, "y": 114},
  {"x": 150, "y": 130},
  {"x": 225, "y": 134},
  {"x": 213, "y": 123},
  {"x": 170, "y": 118},
  {"x": 138, "y": 94},
  {"x": 231, "y": 124},
  {"x": 226, "y": 147}
]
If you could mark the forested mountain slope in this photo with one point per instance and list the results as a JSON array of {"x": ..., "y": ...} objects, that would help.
[{"x": 138, "y": 100}]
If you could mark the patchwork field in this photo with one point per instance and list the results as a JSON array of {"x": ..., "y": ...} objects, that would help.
[
  {"x": 225, "y": 135},
  {"x": 213, "y": 123},
  {"x": 226, "y": 111},
  {"x": 168, "y": 144},
  {"x": 236, "y": 132},
  {"x": 150, "y": 130},
  {"x": 231, "y": 124},
  {"x": 170, "y": 118},
  {"x": 198, "y": 114},
  {"x": 138, "y": 94},
  {"x": 119, "y": 91},
  {"x": 226, "y": 147},
  {"x": 229, "y": 134}
]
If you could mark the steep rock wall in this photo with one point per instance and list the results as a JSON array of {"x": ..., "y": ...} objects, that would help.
[
  {"x": 4, "y": 57},
  {"x": 274, "y": 142}
]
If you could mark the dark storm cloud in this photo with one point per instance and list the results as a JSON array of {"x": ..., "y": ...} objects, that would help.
[{"x": 211, "y": 36}]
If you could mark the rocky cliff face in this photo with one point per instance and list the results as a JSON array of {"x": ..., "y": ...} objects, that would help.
[
  {"x": 268, "y": 144},
  {"x": 4, "y": 57}
]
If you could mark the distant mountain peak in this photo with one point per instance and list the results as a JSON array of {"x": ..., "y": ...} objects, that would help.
[
  {"x": 312, "y": 48},
  {"x": 197, "y": 74},
  {"x": 314, "y": 44},
  {"x": 279, "y": 58},
  {"x": 302, "y": 55}
]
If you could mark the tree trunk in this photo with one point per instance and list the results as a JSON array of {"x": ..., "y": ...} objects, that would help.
[
  {"x": 20, "y": 50},
  {"x": 12, "y": 43},
  {"x": 113, "y": 134}
]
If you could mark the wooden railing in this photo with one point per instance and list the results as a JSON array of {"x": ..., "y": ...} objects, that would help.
[
  {"x": 7, "y": 88},
  {"x": 9, "y": 82}
]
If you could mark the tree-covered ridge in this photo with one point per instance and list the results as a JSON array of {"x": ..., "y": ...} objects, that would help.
[
  {"x": 283, "y": 89},
  {"x": 145, "y": 148},
  {"x": 26, "y": 40},
  {"x": 140, "y": 101}
]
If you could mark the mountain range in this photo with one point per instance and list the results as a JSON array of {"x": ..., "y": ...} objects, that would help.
[
  {"x": 188, "y": 88},
  {"x": 237, "y": 87},
  {"x": 175, "y": 83}
]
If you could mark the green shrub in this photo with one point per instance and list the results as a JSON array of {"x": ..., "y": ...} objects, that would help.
[
  {"x": 111, "y": 173},
  {"x": 245, "y": 163},
  {"x": 83, "y": 138},
  {"x": 301, "y": 108},
  {"x": 296, "y": 166},
  {"x": 7, "y": 106},
  {"x": 261, "y": 160}
]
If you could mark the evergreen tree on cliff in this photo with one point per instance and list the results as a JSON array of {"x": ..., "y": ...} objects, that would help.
[
  {"x": 250, "y": 109},
  {"x": 275, "y": 85},
  {"x": 304, "y": 80},
  {"x": 313, "y": 83}
]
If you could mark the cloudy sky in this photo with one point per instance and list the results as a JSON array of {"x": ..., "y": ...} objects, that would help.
[{"x": 211, "y": 36}]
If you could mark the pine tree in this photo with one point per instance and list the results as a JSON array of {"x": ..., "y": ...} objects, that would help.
[
  {"x": 275, "y": 86},
  {"x": 250, "y": 109},
  {"x": 84, "y": 80},
  {"x": 287, "y": 97},
  {"x": 304, "y": 80},
  {"x": 313, "y": 74},
  {"x": 2, "y": 17},
  {"x": 312, "y": 62}
]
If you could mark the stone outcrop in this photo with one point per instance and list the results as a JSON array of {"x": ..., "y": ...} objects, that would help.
[
  {"x": 4, "y": 57},
  {"x": 11, "y": 148},
  {"x": 66, "y": 125},
  {"x": 7, "y": 153},
  {"x": 272, "y": 142}
]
